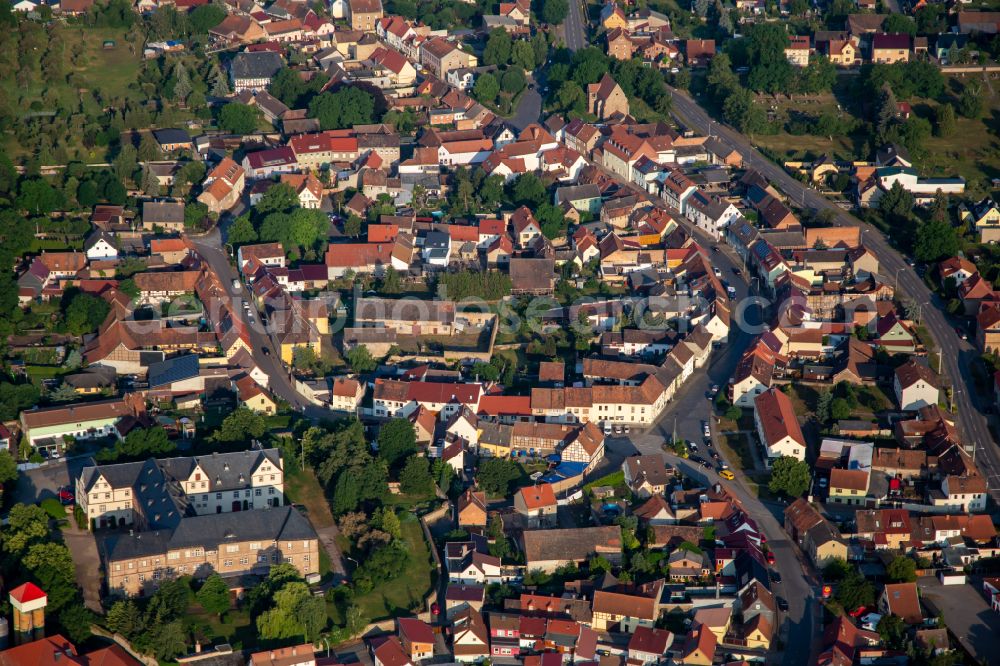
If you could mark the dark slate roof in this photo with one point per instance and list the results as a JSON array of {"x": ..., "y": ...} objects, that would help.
[
  {"x": 173, "y": 369},
  {"x": 98, "y": 235},
  {"x": 212, "y": 530},
  {"x": 171, "y": 135},
  {"x": 257, "y": 65}
]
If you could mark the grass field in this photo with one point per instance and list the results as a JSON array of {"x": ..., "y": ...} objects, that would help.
[
  {"x": 238, "y": 629},
  {"x": 406, "y": 592},
  {"x": 302, "y": 487},
  {"x": 972, "y": 151},
  {"x": 102, "y": 76}
]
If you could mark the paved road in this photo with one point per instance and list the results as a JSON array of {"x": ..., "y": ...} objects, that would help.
[
  {"x": 575, "y": 26},
  {"x": 280, "y": 382},
  {"x": 956, "y": 355},
  {"x": 687, "y": 411},
  {"x": 800, "y": 624},
  {"x": 529, "y": 108}
]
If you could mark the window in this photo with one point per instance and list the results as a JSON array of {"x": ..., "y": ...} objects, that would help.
[
  {"x": 255, "y": 546},
  {"x": 175, "y": 555},
  {"x": 227, "y": 563},
  {"x": 142, "y": 578},
  {"x": 244, "y": 561},
  {"x": 131, "y": 565},
  {"x": 232, "y": 548},
  {"x": 118, "y": 567},
  {"x": 218, "y": 496},
  {"x": 257, "y": 492}
]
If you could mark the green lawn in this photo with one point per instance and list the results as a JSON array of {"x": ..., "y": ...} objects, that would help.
[
  {"x": 405, "y": 593},
  {"x": 972, "y": 151},
  {"x": 736, "y": 450},
  {"x": 238, "y": 629},
  {"x": 614, "y": 479},
  {"x": 103, "y": 74},
  {"x": 302, "y": 487}
]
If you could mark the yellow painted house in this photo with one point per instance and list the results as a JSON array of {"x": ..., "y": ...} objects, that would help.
[
  {"x": 848, "y": 486},
  {"x": 758, "y": 633},
  {"x": 253, "y": 397},
  {"x": 613, "y": 17},
  {"x": 983, "y": 218},
  {"x": 494, "y": 440}
]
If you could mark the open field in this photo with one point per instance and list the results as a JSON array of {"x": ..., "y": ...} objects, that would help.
[
  {"x": 406, "y": 592},
  {"x": 302, "y": 488},
  {"x": 973, "y": 151}
]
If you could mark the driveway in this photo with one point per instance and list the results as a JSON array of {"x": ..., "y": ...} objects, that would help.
[{"x": 83, "y": 546}]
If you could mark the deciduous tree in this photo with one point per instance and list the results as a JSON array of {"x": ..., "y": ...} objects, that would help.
[
  {"x": 789, "y": 476},
  {"x": 396, "y": 440}
]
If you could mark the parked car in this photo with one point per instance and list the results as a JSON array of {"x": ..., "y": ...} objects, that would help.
[
  {"x": 782, "y": 604},
  {"x": 66, "y": 495},
  {"x": 775, "y": 576},
  {"x": 727, "y": 475},
  {"x": 770, "y": 557}
]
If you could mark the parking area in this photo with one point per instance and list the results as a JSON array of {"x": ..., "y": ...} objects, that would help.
[
  {"x": 34, "y": 485},
  {"x": 966, "y": 614}
]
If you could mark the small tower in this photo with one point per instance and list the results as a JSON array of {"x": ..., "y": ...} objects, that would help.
[{"x": 29, "y": 603}]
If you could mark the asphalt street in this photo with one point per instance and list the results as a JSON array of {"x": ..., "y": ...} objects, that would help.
[
  {"x": 801, "y": 622},
  {"x": 575, "y": 26},
  {"x": 529, "y": 108},
  {"x": 956, "y": 354},
  {"x": 279, "y": 379}
]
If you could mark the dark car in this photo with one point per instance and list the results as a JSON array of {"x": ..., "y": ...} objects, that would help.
[
  {"x": 782, "y": 604},
  {"x": 267, "y": 352},
  {"x": 696, "y": 459},
  {"x": 737, "y": 271},
  {"x": 775, "y": 576}
]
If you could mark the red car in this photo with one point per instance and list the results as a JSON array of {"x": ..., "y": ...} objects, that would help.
[
  {"x": 858, "y": 612},
  {"x": 770, "y": 557},
  {"x": 66, "y": 496},
  {"x": 435, "y": 609}
]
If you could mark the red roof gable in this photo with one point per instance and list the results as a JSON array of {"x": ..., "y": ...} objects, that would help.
[{"x": 27, "y": 592}]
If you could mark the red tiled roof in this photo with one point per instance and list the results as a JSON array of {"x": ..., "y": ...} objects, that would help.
[
  {"x": 27, "y": 592},
  {"x": 536, "y": 497}
]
